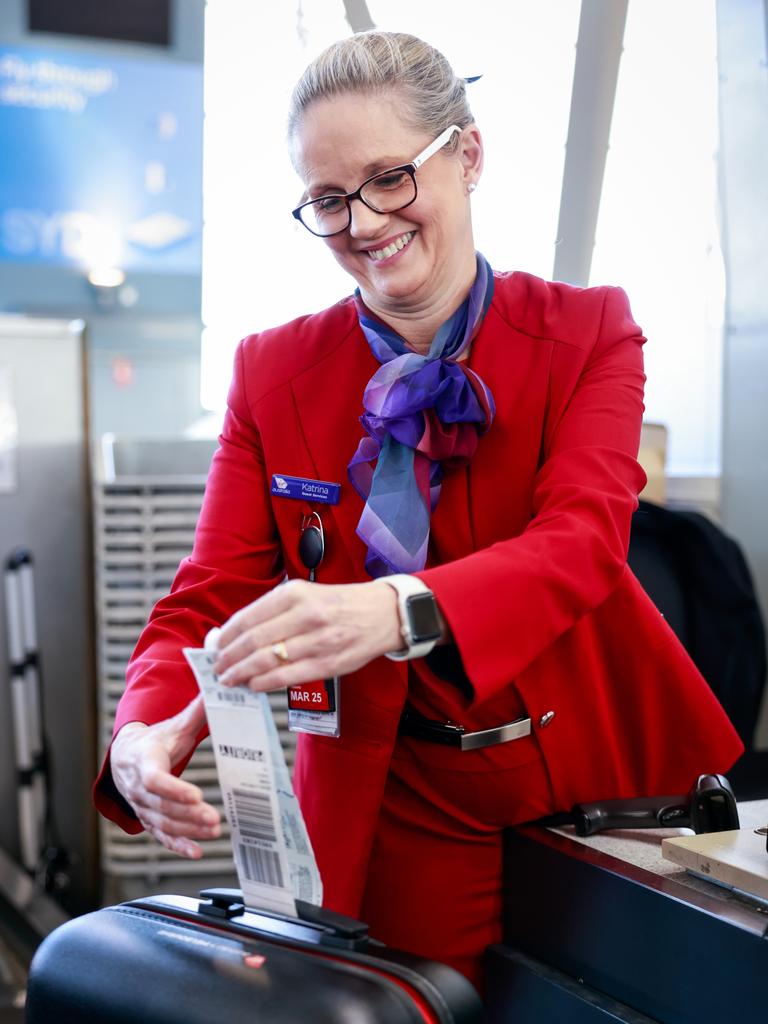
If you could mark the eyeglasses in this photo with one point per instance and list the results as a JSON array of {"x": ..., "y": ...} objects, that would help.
[{"x": 385, "y": 192}]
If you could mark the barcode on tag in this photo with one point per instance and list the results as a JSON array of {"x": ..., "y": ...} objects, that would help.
[
  {"x": 231, "y": 696},
  {"x": 253, "y": 815},
  {"x": 260, "y": 865}
]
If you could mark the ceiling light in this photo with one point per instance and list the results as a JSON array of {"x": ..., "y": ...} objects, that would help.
[{"x": 106, "y": 277}]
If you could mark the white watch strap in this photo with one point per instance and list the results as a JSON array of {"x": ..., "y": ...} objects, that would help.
[{"x": 406, "y": 586}]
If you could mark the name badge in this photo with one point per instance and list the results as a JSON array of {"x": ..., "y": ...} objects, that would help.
[
  {"x": 304, "y": 489},
  {"x": 314, "y": 707},
  {"x": 312, "y": 696}
]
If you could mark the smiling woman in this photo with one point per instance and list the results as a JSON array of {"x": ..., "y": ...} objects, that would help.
[
  {"x": 369, "y": 108},
  {"x": 474, "y": 594},
  {"x": 413, "y": 257}
]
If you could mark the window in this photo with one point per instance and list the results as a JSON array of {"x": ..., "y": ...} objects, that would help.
[{"x": 657, "y": 233}]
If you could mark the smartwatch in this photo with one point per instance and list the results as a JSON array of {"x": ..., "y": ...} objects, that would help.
[{"x": 420, "y": 622}]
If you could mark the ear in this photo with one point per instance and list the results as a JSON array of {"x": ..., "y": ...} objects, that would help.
[{"x": 470, "y": 154}]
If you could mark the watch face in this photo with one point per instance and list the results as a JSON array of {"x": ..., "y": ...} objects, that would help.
[{"x": 422, "y": 618}]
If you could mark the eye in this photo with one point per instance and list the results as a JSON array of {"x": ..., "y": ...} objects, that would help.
[
  {"x": 390, "y": 181},
  {"x": 329, "y": 204}
]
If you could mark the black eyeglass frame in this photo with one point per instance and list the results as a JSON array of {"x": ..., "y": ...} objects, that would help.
[
  {"x": 357, "y": 194},
  {"x": 410, "y": 169}
]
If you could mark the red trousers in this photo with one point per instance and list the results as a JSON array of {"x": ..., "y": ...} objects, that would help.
[{"x": 434, "y": 884}]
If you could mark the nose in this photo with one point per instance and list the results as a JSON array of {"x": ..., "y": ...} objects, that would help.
[{"x": 365, "y": 222}]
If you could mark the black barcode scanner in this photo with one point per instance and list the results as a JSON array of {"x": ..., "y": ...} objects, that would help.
[
  {"x": 311, "y": 543},
  {"x": 709, "y": 806}
]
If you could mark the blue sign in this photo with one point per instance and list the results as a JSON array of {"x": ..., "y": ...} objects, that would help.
[{"x": 100, "y": 161}]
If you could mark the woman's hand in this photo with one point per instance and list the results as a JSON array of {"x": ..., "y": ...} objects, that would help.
[
  {"x": 321, "y": 630},
  {"x": 171, "y": 810}
]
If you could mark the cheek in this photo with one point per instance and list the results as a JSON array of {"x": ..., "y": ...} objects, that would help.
[
  {"x": 433, "y": 216},
  {"x": 337, "y": 247}
]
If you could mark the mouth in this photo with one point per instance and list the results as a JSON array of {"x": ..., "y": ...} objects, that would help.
[{"x": 392, "y": 248}]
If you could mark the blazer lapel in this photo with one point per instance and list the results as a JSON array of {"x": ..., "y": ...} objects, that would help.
[
  {"x": 515, "y": 366},
  {"x": 328, "y": 397}
]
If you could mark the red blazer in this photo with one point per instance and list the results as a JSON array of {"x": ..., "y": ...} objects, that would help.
[{"x": 538, "y": 595}]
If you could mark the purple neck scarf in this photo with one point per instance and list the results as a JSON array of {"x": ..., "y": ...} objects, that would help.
[{"x": 422, "y": 413}]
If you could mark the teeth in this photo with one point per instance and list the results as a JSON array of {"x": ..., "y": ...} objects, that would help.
[{"x": 392, "y": 248}]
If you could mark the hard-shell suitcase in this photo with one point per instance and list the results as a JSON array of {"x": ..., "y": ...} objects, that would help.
[{"x": 177, "y": 960}]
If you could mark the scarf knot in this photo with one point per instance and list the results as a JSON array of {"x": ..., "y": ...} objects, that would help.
[{"x": 423, "y": 413}]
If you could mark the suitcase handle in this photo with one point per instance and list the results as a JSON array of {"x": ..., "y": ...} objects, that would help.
[{"x": 228, "y": 903}]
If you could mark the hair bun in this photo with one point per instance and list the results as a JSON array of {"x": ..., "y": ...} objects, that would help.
[{"x": 431, "y": 94}]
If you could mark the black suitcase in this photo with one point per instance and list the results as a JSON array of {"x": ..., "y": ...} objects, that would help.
[{"x": 177, "y": 960}]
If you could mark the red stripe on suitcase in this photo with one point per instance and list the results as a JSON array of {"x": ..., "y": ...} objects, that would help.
[
  {"x": 418, "y": 1000},
  {"x": 425, "y": 1010}
]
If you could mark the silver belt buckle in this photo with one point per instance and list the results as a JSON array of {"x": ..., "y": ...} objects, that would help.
[{"x": 499, "y": 734}]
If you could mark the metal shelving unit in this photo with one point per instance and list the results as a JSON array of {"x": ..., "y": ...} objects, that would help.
[{"x": 144, "y": 526}]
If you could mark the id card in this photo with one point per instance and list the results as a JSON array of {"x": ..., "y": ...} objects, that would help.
[{"x": 314, "y": 707}]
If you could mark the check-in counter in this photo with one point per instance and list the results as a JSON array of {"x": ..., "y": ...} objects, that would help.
[{"x": 603, "y": 929}]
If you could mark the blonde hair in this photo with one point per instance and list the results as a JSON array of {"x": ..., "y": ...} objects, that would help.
[{"x": 373, "y": 62}]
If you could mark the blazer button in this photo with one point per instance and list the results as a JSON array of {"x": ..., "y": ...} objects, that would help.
[{"x": 546, "y": 718}]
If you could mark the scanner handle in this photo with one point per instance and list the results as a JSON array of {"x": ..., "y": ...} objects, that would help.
[
  {"x": 709, "y": 806},
  {"x": 642, "y": 812}
]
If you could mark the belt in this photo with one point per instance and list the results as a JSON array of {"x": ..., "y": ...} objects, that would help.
[{"x": 452, "y": 735}]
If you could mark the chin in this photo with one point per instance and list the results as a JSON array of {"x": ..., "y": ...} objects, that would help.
[{"x": 389, "y": 286}]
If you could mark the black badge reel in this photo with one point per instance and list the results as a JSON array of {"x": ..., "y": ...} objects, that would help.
[
  {"x": 311, "y": 543},
  {"x": 313, "y": 707}
]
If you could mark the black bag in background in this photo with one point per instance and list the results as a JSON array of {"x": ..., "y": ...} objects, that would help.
[{"x": 697, "y": 576}]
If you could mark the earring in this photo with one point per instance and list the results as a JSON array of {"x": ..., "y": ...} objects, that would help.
[{"x": 471, "y": 186}]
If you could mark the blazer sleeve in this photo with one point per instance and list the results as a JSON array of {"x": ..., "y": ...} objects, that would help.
[
  {"x": 573, "y": 552},
  {"x": 235, "y": 559}
]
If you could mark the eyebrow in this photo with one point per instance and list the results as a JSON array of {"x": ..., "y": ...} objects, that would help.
[{"x": 368, "y": 171}]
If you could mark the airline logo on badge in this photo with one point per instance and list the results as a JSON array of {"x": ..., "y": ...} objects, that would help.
[{"x": 305, "y": 489}]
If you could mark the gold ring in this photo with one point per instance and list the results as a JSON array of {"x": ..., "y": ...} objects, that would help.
[{"x": 280, "y": 651}]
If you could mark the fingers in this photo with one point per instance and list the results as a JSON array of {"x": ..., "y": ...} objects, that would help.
[
  {"x": 141, "y": 769},
  {"x": 304, "y": 671},
  {"x": 326, "y": 630},
  {"x": 170, "y": 809},
  {"x": 294, "y": 614},
  {"x": 156, "y": 786},
  {"x": 317, "y": 653},
  {"x": 177, "y": 844},
  {"x": 260, "y": 638},
  {"x": 178, "y": 820},
  {"x": 176, "y": 823},
  {"x": 277, "y": 601}
]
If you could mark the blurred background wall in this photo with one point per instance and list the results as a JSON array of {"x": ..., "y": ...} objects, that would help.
[{"x": 130, "y": 157}]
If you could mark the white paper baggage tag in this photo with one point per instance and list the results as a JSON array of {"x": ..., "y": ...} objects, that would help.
[{"x": 273, "y": 855}]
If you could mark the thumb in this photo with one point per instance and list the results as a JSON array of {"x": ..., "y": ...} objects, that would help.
[
  {"x": 192, "y": 718},
  {"x": 179, "y": 734}
]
